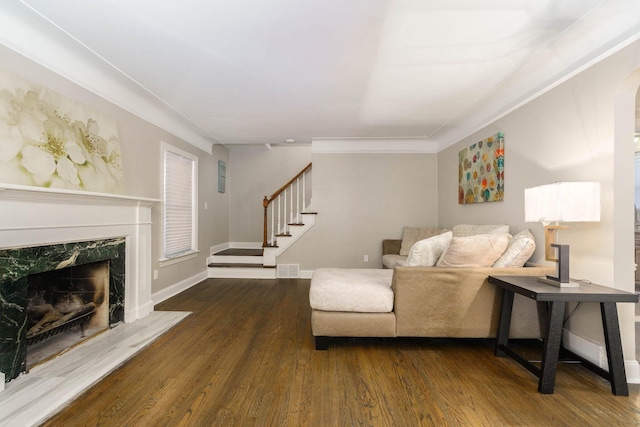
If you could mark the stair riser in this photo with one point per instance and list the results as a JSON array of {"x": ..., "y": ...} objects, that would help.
[
  {"x": 241, "y": 273},
  {"x": 231, "y": 259}
]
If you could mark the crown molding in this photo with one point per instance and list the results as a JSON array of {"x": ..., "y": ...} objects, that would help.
[{"x": 29, "y": 34}]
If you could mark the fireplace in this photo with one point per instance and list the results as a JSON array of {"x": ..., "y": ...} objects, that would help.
[
  {"x": 64, "y": 308},
  {"x": 43, "y": 229},
  {"x": 55, "y": 296}
]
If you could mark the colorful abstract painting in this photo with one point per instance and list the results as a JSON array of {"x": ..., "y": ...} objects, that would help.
[
  {"x": 49, "y": 140},
  {"x": 481, "y": 171}
]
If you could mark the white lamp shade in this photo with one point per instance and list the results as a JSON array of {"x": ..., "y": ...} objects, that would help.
[{"x": 563, "y": 202}]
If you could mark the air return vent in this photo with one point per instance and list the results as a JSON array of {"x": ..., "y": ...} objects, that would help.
[{"x": 288, "y": 271}]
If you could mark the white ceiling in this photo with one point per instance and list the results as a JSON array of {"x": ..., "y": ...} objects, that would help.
[{"x": 262, "y": 72}]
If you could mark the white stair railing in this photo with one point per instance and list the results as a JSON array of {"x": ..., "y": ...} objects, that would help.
[{"x": 287, "y": 205}]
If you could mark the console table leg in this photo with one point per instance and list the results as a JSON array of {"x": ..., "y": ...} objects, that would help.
[
  {"x": 551, "y": 347},
  {"x": 505, "y": 323},
  {"x": 614, "y": 348}
]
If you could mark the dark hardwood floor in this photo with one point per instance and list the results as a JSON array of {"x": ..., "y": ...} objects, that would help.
[{"x": 246, "y": 357}]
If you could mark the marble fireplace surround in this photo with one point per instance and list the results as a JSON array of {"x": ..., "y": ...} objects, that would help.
[
  {"x": 16, "y": 265},
  {"x": 36, "y": 217}
]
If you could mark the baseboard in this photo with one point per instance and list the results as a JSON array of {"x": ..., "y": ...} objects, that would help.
[
  {"x": 237, "y": 245},
  {"x": 173, "y": 290},
  {"x": 597, "y": 354},
  {"x": 632, "y": 370},
  {"x": 218, "y": 248},
  {"x": 143, "y": 310},
  {"x": 589, "y": 350},
  {"x": 306, "y": 274}
]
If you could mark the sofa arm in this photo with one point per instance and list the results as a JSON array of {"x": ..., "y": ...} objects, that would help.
[
  {"x": 391, "y": 246},
  {"x": 459, "y": 302}
]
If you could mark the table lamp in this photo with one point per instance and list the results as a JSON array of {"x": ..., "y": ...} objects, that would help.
[{"x": 557, "y": 203}]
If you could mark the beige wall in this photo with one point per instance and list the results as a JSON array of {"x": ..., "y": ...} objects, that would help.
[
  {"x": 362, "y": 199},
  {"x": 141, "y": 155},
  {"x": 255, "y": 172},
  {"x": 571, "y": 133}
]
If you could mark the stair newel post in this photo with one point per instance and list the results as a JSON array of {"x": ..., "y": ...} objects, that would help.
[{"x": 265, "y": 204}]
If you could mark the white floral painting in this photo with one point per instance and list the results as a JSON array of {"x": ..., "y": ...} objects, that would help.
[{"x": 49, "y": 140}]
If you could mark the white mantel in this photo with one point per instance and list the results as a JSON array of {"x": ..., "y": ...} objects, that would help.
[
  {"x": 34, "y": 216},
  {"x": 31, "y": 216}
]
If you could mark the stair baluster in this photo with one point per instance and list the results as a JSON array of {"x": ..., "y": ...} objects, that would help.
[
  {"x": 296, "y": 204},
  {"x": 292, "y": 204},
  {"x": 277, "y": 230},
  {"x": 273, "y": 218},
  {"x": 304, "y": 191}
]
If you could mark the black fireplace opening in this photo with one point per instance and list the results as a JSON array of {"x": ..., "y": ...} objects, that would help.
[{"x": 64, "y": 308}]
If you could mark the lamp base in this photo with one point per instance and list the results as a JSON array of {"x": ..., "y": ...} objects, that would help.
[{"x": 554, "y": 282}]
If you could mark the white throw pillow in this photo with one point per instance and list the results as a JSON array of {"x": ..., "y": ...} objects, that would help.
[
  {"x": 481, "y": 250},
  {"x": 425, "y": 253},
  {"x": 518, "y": 252},
  {"x": 411, "y": 235},
  {"x": 463, "y": 230}
]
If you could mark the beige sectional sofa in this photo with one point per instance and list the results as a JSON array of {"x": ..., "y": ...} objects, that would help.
[
  {"x": 421, "y": 301},
  {"x": 435, "y": 302}
]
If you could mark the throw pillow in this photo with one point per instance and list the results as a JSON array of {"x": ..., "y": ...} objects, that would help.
[
  {"x": 481, "y": 250},
  {"x": 425, "y": 253},
  {"x": 518, "y": 252},
  {"x": 411, "y": 235},
  {"x": 472, "y": 230}
]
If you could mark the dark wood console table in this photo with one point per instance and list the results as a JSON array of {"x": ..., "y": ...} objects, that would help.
[{"x": 557, "y": 298}]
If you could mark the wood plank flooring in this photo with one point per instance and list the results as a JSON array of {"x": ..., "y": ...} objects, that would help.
[{"x": 246, "y": 357}]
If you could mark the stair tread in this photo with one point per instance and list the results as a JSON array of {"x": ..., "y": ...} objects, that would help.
[
  {"x": 240, "y": 252},
  {"x": 236, "y": 265}
]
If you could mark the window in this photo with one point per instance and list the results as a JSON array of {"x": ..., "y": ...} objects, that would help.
[{"x": 180, "y": 218}]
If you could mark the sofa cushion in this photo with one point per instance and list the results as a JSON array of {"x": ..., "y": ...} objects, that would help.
[
  {"x": 425, "y": 253},
  {"x": 518, "y": 252},
  {"x": 463, "y": 230},
  {"x": 391, "y": 260},
  {"x": 481, "y": 250},
  {"x": 351, "y": 289},
  {"x": 411, "y": 235}
]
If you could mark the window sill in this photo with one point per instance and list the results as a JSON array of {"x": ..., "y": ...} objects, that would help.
[{"x": 165, "y": 262}]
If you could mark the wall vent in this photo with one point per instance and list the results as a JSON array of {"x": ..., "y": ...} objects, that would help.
[{"x": 288, "y": 271}]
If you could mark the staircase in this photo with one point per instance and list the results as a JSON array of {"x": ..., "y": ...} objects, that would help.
[{"x": 286, "y": 219}]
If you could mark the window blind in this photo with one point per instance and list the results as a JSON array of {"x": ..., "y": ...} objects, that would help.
[{"x": 179, "y": 178}]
